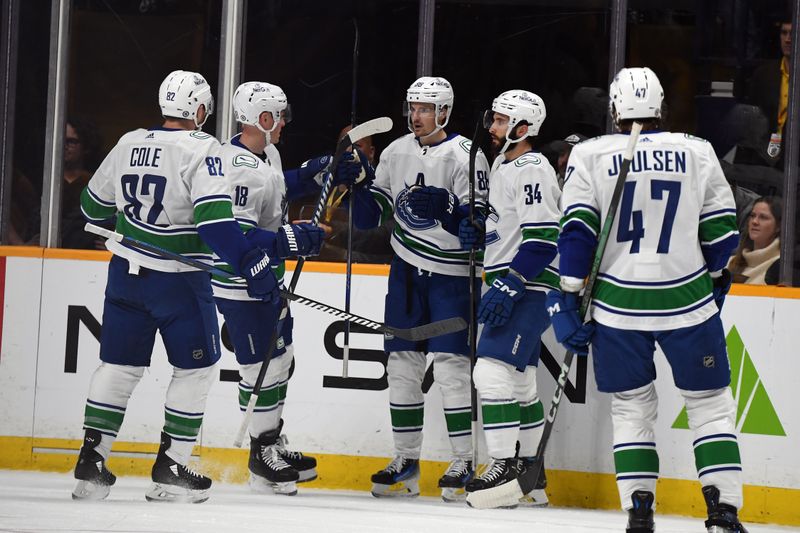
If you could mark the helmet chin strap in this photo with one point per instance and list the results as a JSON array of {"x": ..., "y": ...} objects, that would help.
[
  {"x": 509, "y": 140},
  {"x": 437, "y": 129},
  {"x": 267, "y": 137}
]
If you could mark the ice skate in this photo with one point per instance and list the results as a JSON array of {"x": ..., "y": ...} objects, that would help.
[
  {"x": 640, "y": 516},
  {"x": 305, "y": 465},
  {"x": 94, "y": 479},
  {"x": 537, "y": 497},
  {"x": 399, "y": 479},
  {"x": 269, "y": 472},
  {"x": 499, "y": 472},
  {"x": 722, "y": 518},
  {"x": 452, "y": 483},
  {"x": 174, "y": 482}
]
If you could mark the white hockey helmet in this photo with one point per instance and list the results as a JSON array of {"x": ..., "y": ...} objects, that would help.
[
  {"x": 635, "y": 93},
  {"x": 431, "y": 90},
  {"x": 520, "y": 106},
  {"x": 255, "y": 97},
  {"x": 181, "y": 94}
]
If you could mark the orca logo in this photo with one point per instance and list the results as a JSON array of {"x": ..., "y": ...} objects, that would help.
[{"x": 407, "y": 217}]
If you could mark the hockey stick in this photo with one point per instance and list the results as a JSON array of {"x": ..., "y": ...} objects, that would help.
[
  {"x": 419, "y": 333},
  {"x": 473, "y": 308},
  {"x": 348, "y": 277},
  {"x": 510, "y": 493}
]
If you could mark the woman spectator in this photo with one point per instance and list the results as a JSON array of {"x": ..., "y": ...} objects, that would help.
[{"x": 756, "y": 259}]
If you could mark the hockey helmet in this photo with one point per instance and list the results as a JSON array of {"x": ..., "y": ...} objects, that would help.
[
  {"x": 181, "y": 94},
  {"x": 520, "y": 107},
  {"x": 431, "y": 90},
  {"x": 635, "y": 93},
  {"x": 255, "y": 97}
]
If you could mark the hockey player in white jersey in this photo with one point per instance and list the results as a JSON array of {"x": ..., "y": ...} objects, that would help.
[
  {"x": 422, "y": 178},
  {"x": 165, "y": 186},
  {"x": 259, "y": 192},
  {"x": 521, "y": 230},
  {"x": 661, "y": 280}
]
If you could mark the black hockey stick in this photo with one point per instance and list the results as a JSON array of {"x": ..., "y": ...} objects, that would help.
[
  {"x": 510, "y": 493},
  {"x": 473, "y": 304}
]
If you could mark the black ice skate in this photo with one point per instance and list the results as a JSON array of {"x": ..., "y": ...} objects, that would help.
[
  {"x": 499, "y": 472},
  {"x": 174, "y": 482},
  {"x": 305, "y": 465},
  {"x": 640, "y": 516},
  {"x": 537, "y": 497},
  {"x": 399, "y": 479},
  {"x": 455, "y": 478},
  {"x": 722, "y": 518},
  {"x": 94, "y": 479},
  {"x": 269, "y": 472}
]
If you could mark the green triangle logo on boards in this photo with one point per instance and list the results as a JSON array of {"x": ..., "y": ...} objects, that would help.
[{"x": 754, "y": 411}]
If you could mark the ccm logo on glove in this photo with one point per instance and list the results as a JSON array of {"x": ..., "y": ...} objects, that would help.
[{"x": 502, "y": 287}]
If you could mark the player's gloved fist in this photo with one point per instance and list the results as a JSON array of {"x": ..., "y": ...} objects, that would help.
[
  {"x": 431, "y": 203},
  {"x": 261, "y": 281},
  {"x": 298, "y": 240},
  {"x": 313, "y": 168},
  {"x": 472, "y": 235},
  {"x": 498, "y": 302},
  {"x": 570, "y": 330},
  {"x": 722, "y": 285},
  {"x": 354, "y": 169}
]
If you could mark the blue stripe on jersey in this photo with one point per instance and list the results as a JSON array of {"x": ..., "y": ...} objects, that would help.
[
  {"x": 99, "y": 200},
  {"x": 688, "y": 277},
  {"x": 211, "y": 198},
  {"x": 719, "y": 212},
  {"x": 174, "y": 230},
  {"x": 539, "y": 225},
  {"x": 433, "y": 258},
  {"x": 574, "y": 207},
  {"x": 653, "y": 313}
]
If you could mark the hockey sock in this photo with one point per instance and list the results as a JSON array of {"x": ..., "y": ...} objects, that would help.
[
  {"x": 109, "y": 392},
  {"x": 494, "y": 381},
  {"x": 451, "y": 372},
  {"x": 183, "y": 410},
  {"x": 712, "y": 416},
  {"x": 634, "y": 414},
  {"x": 268, "y": 408},
  {"x": 406, "y": 371},
  {"x": 531, "y": 412}
]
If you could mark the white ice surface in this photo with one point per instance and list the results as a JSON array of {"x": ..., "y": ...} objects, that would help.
[{"x": 41, "y": 502}]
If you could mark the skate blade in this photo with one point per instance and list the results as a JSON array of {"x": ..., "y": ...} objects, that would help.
[
  {"x": 402, "y": 489},
  {"x": 261, "y": 485},
  {"x": 535, "y": 498},
  {"x": 454, "y": 494},
  {"x": 721, "y": 529},
  {"x": 86, "y": 490},
  {"x": 307, "y": 475},
  {"x": 159, "y": 492}
]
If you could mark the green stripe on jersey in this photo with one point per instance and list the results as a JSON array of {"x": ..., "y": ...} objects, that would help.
[
  {"x": 423, "y": 249},
  {"x": 94, "y": 209},
  {"x": 589, "y": 217},
  {"x": 386, "y": 206},
  {"x": 540, "y": 234},
  {"x": 210, "y": 211},
  {"x": 188, "y": 242},
  {"x": 717, "y": 227},
  {"x": 653, "y": 298}
]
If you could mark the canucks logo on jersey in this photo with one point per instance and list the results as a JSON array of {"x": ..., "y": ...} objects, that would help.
[
  {"x": 403, "y": 213},
  {"x": 492, "y": 235}
]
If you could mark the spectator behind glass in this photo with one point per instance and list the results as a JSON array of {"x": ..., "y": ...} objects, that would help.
[
  {"x": 756, "y": 259},
  {"x": 81, "y": 158},
  {"x": 769, "y": 89}
]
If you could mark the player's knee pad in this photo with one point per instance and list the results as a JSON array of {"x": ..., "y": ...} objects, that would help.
[
  {"x": 451, "y": 372},
  {"x": 634, "y": 413},
  {"x": 494, "y": 379},
  {"x": 406, "y": 370},
  {"x": 710, "y": 411},
  {"x": 113, "y": 384},
  {"x": 525, "y": 389},
  {"x": 277, "y": 371},
  {"x": 189, "y": 388}
]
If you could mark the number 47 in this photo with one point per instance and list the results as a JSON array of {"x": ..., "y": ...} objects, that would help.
[{"x": 631, "y": 223}]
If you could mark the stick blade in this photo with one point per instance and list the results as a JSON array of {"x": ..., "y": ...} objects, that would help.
[
  {"x": 434, "y": 329},
  {"x": 504, "y": 495},
  {"x": 368, "y": 128}
]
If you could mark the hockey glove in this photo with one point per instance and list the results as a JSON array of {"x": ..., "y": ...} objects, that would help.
[
  {"x": 722, "y": 285},
  {"x": 298, "y": 240},
  {"x": 261, "y": 282},
  {"x": 431, "y": 203},
  {"x": 498, "y": 302},
  {"x": 570, "y": 330},
  {"x": 472, "y": 235},
  {"x": 354, "y": 169},
  {"x": 313, "y": 168}
]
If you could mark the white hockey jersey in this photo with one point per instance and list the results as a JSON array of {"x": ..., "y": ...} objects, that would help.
[
  {"x": 162, "y": 184},
  {"x": 653, "y": 275},
  {"x": 523, "y": 207},
  {"x": 258, "y": 191},
  {"x": 423, "y": 243}
]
